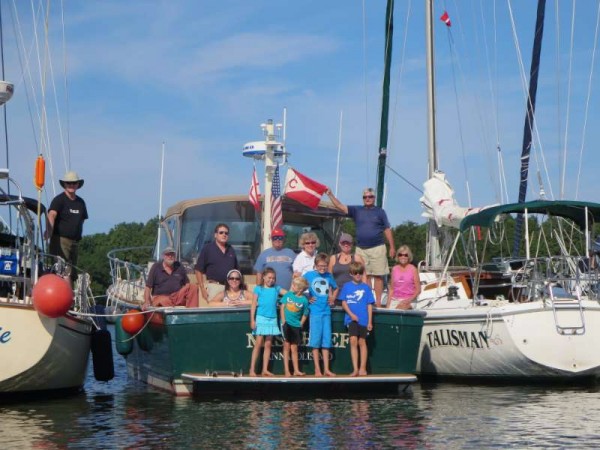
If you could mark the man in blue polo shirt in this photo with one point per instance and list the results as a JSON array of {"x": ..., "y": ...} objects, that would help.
[
  {"x": 216, "y": 259},
  {"x": 372, "y": 226}
]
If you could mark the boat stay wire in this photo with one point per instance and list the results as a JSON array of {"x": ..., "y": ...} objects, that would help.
[
  {"x": 404, "y": 179},
  {"x": 587, "y": 102}
]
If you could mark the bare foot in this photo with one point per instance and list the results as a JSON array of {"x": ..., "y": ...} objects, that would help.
[
  {"x": 299, "y": 374},
  {"x": 354, "y": 374},
  {"x": 362, "y": 373},
  {"x": 329, "y": 373},
  {"x": 266, "y": 373},
  {"x": 287, "y": 374},
  {"x": 318, "y": 374},
  {"x": 252, "y": 374}
]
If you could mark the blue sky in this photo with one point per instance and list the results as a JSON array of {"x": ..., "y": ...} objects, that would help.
[{"x": 202, "y": 76}]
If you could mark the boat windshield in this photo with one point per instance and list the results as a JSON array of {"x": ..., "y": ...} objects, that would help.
[{"x": 197, "y": 224}]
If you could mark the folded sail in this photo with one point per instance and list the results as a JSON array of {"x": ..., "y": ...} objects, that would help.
[{"x": 439, "y": 204}]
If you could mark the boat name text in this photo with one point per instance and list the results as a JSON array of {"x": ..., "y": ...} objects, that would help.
[
  {"x": 338, "y": 340},
  {"x": 457, "y": 338},
  {"x": 4, "y": 336}
]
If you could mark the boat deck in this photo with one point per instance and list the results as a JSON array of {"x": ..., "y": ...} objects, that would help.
[{"x": 306, "y": 386}]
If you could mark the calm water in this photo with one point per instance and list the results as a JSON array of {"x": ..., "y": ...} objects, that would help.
[{"x": 127, "y": 414}]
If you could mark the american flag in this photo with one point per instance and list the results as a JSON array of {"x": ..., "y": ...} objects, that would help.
[{"x": 276, "y": 213}]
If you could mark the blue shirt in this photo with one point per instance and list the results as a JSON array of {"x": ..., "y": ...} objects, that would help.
[
  {"x": 370, "y": 224},
  {"x": 320, "y": 286},
  {"x": 358, "y": 297},
  {"x": 267, "y": 301},
  {"x": 279, "y": 260},
  {"x": 294, "y": 307}
]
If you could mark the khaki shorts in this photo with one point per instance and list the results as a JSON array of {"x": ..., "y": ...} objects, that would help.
[{"x": 376, "y": 262}]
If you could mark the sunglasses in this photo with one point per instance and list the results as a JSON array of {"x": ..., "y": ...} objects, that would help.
[
  {"x": 368, "y": 196},
  {"x": 234, "y": 278},
  {"x": 71, "y": 183},
  {"x": 403, "y": 254},
  {"x": 277, "y": 238},
  {"x": 345, "y": 243},
  {"x": 311, "y": 243},
  {"x": 226, "y": 233}
]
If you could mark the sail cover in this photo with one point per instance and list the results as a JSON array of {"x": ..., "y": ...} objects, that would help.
[{"x": 439, "y": 204}]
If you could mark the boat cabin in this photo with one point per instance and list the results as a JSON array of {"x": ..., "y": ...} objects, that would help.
[{"x": 190, "y": 224}]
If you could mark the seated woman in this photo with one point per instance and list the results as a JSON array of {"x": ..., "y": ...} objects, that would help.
[
  {"x": 405, "y": 285},
  {"x": 235, "y": 292}
]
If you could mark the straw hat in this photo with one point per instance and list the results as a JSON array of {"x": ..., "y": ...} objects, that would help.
[{"x": 71, "y": 177}]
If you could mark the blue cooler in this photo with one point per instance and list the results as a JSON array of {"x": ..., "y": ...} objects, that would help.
[{"x": 9, "y": 261}]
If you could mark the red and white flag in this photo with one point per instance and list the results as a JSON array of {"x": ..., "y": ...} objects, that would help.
[
  {"x": 446, "y": 19},
  {"x": 302, "y": 189},
  {"x": 254, "y": 195}
]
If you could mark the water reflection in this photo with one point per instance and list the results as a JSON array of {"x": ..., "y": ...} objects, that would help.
[{"x": 126, "y": 414}]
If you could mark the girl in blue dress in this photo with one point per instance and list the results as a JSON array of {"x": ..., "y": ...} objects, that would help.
[{"x": 263, "y": 319}]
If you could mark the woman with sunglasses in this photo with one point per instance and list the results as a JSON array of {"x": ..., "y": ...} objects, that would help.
[
  {"x": 339, "y": 264},
  {"x": 405, "y": 285},
  {"x": 235, "y": 292},
  {"x": 305, "y": 261}
]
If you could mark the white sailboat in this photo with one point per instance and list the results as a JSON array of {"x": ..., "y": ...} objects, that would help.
[{"x": 547, "y": 325}]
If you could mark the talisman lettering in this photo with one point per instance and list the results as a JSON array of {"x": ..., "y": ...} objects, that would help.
[{"x": 457, "y": 338}]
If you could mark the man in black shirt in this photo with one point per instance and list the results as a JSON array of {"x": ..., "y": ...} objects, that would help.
[
  {"x": 65, "y": 221},
  {"x": 216, "y": 259}
]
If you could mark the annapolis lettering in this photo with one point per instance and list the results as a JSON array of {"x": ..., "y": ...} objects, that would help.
[
  {"x": 4, "y": 336},
  {"x": 338, "y": 340},
  {"x": 457, "y": 338}
]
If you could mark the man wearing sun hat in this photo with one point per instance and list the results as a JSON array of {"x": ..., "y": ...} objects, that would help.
[
  {"x": 66, "y": 215},
  {"x": 278, "y": 258}
]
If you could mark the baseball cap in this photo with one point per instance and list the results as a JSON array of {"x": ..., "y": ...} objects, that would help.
[
  {"x": 277, "y": 232},
  {"x": 345, "y": 237}
]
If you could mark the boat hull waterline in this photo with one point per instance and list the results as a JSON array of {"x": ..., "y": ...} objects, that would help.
[
  {"x": 39, "y": 353},
  {"x": 218, "y": 341},
  {"x": 512, "y": 341}
]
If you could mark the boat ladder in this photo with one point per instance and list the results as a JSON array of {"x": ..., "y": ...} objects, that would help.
[{"x": 560, "y": 306}]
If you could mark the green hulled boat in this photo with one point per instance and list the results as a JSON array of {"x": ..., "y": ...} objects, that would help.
[{"x": 179, "y": 349}]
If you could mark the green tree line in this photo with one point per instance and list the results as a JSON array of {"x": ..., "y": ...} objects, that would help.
[{"x": 94, "y": 248}]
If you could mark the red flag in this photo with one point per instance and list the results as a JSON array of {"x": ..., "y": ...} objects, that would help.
[
  {"x": 446, "y": 19},
  {"x": 254, "y": 194},
  {"x": 302, "y": 189},
  {"x": 276, "y": 212}
]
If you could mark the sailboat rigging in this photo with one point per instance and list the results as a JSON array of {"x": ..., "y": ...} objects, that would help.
[{"x": 529, "y": 119}]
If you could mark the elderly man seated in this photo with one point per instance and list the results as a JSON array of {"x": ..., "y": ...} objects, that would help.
[{"x": 168, "y": 284}]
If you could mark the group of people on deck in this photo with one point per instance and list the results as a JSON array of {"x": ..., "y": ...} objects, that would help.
[{"x": 309, "y": 282}]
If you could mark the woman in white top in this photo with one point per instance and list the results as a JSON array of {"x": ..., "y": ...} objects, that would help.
[
  {"x": 235, "y": 292},
  {"x": 305, "y": 261}
]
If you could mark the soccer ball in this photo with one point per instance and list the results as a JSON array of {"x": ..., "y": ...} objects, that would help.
[{"x": 320, "y": 286}]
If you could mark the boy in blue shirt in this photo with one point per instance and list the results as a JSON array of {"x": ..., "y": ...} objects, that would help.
[
  {"x": 322, "y": 292},
  {"x": 357, "y": 301},
  {"x": 293, "y": 313}
]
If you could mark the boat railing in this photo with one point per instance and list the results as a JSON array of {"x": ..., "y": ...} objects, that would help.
[
  {"x": 128, "y": 277},
  {"x": 17, "y": 287},
  {"x": 564, "y": 277}
]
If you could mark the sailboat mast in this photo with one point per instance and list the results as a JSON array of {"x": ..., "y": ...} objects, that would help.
[
  {"x": 529, "y": 118},
  {"x": 385, "y": 103},
  {"x": 270, "y": 145},
  {"x": 433, "y": 250}
]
